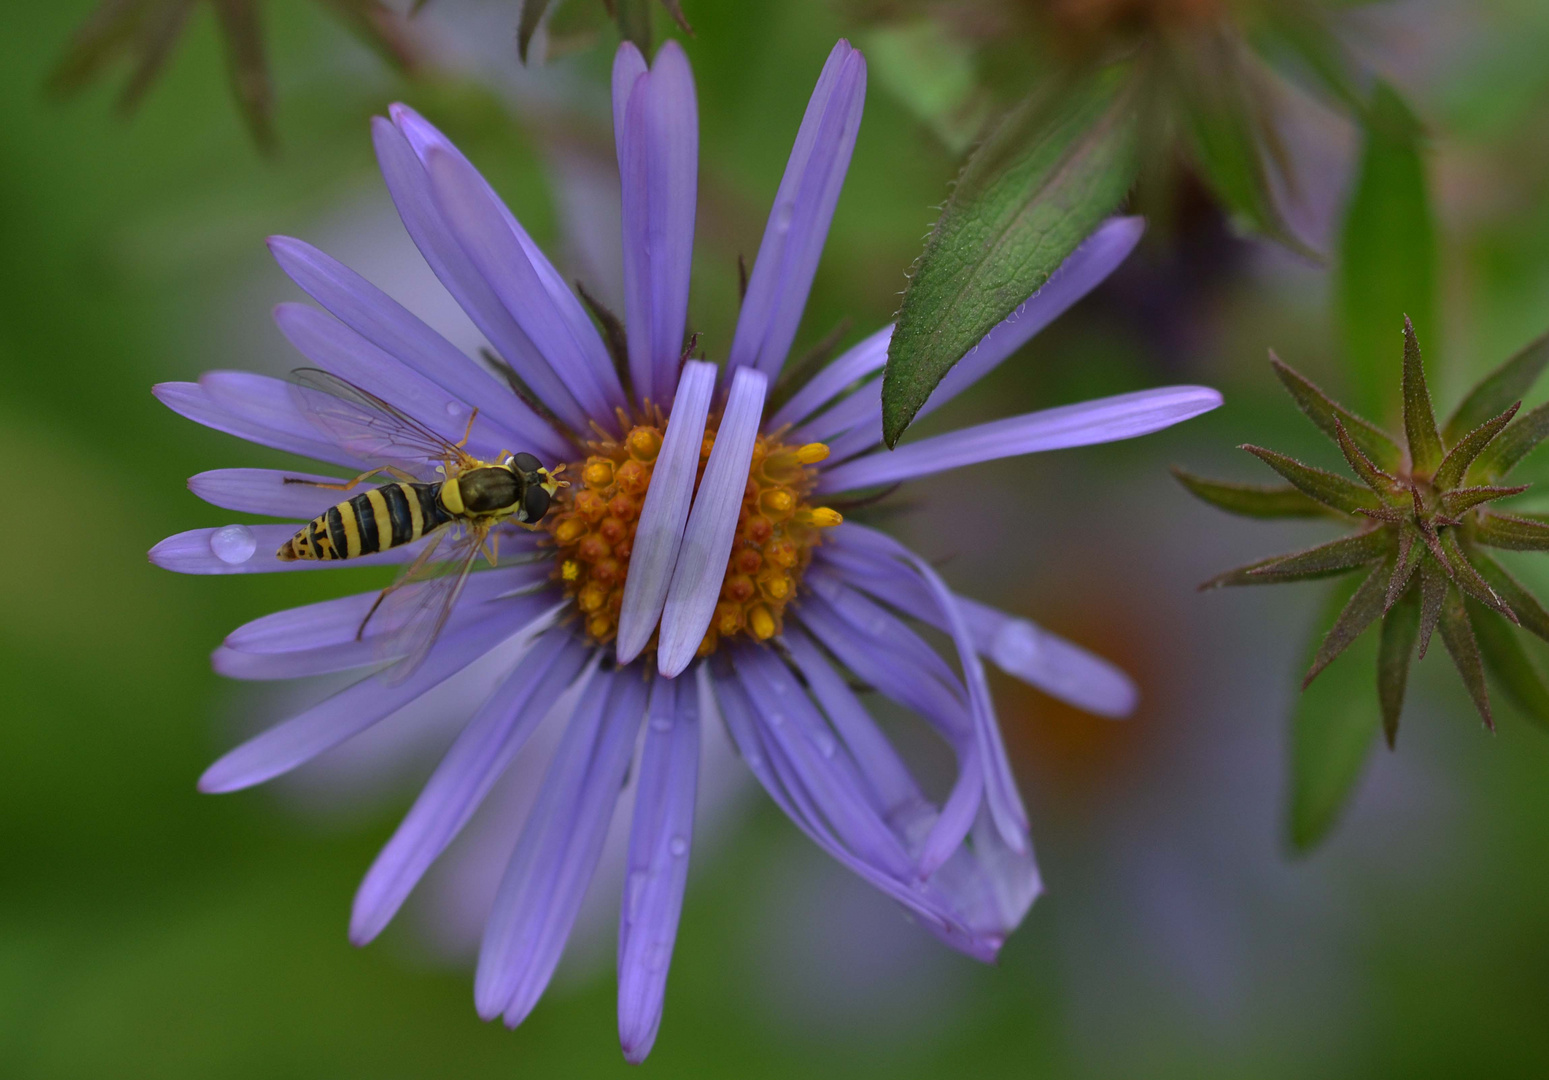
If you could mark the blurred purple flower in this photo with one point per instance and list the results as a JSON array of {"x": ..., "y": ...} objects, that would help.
[{"x": 730, "y": 577}]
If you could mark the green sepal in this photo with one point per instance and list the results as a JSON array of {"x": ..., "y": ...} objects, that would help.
[
  {"x": 1455, "y": 465},
  {"x": 1254, "y": 500},
  {"x": 1363, "y": 609},
  {"x": 1382, "y": 484},
  {"x": 1047, "y": 176},
  {"x": 1425, "y": 449},
  {"x": 1323, "y": 411},
  {"x": 1513, "y": 444},
  {"x": 1512, "y": 532},
  {"x": 1458, "y": 635},
  {"x": 1326, "y": 487},
  {"x": 1433, "y": 590},
  {"x": 1333, "y": 726},
  {"x": 1326, "y": 560},
  {"x": 1400, "y": 628},
  {"x": 1508, "y": 661},
  {"x": 1531, "y": 615},
  {"x": 527, "y": 25},
  {"x": 1493, "y": 393},
  {"x": 1409, "y": 555},
  {"x": 1456, "y": 502},
  {"x": 1467, "y": 578}
]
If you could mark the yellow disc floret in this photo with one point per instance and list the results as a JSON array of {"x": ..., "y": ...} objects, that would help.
[{"x": 592, "y": 526}]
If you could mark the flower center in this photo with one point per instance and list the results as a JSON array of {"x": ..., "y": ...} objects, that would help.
[{"x": 593, "y": 528}]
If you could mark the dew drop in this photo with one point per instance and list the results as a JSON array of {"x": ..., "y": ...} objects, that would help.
[
  {"x": 234, "y": 544},
  {"x": 826, "y": 744},
  {"x": 661, "y": 723},
  {"x": 678, "y": 846},
  {"x": 456, "y": 410},
  {"x": 776, "y": 719},
  {"x": 782, "y": 216}
]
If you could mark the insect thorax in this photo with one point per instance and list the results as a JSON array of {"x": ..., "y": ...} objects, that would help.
[{"x": 489, "y": 490}]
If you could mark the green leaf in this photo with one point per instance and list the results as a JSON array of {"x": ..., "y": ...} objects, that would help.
[
  {"x": 1409, "y": 556},
  {"x": 1530, "y": 613},
  {"x": 1059, "y": 164},
  {"x": 1328, "y": 415},
  {"x": 1458, "y": 636},
  {"x": 1502, "y": 455},
  {"x": 1322, "y": 485},
  {"x": 1253, "y": 500},
  {"x": 1433, "y": 591},
  {"x": 1466, "y": 577},
  {"x": 1387, "y": 256},
  {"x": 1508, "y": 661},
  {"x": 1496, "y": 391},
  {"x": 1226, "y": 131},
  {"x": 1455, "y": 465},
  {"x": 1394, "y": 652},
  {"x": 1363, "y": 609},
  {"x": 1332, "y": 729},
  {"x": 1327, "y": 560},
  {"x": 1512, "y": 532},
  {"x": 634, "y": 22},
  {"x": 1304, "y": 31},
  {"x": 1380, "y": 482},
  {"x": 1455, "y": 502},
  {"x": 1425, "y": 450}
]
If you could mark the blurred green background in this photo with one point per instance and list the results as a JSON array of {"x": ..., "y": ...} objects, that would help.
[{"x": 146, "y": 930}]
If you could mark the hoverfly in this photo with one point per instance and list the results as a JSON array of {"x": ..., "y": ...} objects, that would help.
[{"x": 474, "y": 498}]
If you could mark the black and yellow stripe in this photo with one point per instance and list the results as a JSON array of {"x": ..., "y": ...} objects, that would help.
[{"x": 375, "y": 520}]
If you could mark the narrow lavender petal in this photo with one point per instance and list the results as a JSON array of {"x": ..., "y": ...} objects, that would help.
[
  {"x": 854, "y": 363},
  {"x": 333, "y": 622},
  {"x": 195, "y": 552},
  {"x": 629, "y": 136},
  {"x": 1123, "y": 416},
  {"x": 1000, "y": 787},
  {"x": 879, "y": 565},
  {"x": 428, "y": 142},
  {"x": 867, "y": 435},
  {"x": 389, "y": 326},
  {"x": 712, "y": 523},
  {"x": 410, "y": 188},
  {"x": 334, "y": 347},
  {"x": 559, "y": 848},
  {"x": 766, "y": 761},
  {"x": 660, "y": 837},
  {"x": 1082, "y": 271},
  {"x": 864, "y": 407},
  {"x": 566, "y": 338},
  {"x": 266, "y": 491},
  {"x": 355, "y": 708},
  {"x": 930, "y": 835},
  {"x": 803, "y": 208},
  {"x": 252, "y": 407},
  {"x": 659, "y": 535},
  {"x": 474, "y": 762},
  {"x": 988, "y": 885},
  {"x": 628, "y": 66}
]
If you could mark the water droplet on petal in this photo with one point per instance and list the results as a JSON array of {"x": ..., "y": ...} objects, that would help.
[
  {"x": 678, "y": 846},
  {"x": 776, "y": 719},
  {"x": 826, "y": 744},
  {"x": 456, "y": 410},
  {"x": 661, "y": 723},
  {"x": 781, "y": 219},
  {"x": 234, "y": 544}
]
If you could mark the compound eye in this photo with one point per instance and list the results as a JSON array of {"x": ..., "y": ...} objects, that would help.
[
  {"x": 535, "y": 503},
  {"x": 526, "y": 463}
]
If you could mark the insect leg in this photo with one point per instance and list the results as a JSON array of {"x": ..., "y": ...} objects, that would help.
[
  {"x": 403, "y": 579},
  {"x": 344, "y": 486},
  {"x": 468, "y": 431}
]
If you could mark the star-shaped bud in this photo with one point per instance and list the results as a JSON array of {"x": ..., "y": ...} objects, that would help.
[{"x": 1422, "y": 516}]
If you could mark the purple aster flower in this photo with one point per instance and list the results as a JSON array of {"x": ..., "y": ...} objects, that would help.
[{"x": 688, "y": 574}]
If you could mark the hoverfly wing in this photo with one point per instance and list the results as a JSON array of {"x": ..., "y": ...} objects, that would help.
[
  {"x": 366, "y": 426},
  {"x": 421, "y": 601}
]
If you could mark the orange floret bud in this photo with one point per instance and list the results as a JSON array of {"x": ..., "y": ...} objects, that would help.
[
  {"x": 597, "y": 473},
  {"x": 812, "y": 453},
  {"x": 644, "y": 444},
  {"x": 592, "y": 597},
  {"x": 570, "y": 530},
  {"x": 633, "y": 477},
  {"x": 761, "y": 623},
  {"x": 738, "y": 589}
]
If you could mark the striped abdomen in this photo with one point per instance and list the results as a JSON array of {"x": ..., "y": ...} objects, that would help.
[{"x": 375, "y": 520}]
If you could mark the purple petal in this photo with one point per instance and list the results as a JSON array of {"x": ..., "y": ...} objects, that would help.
[
  {"x": 658, "y": 151},
  {"x": 798, "y": 222},
  {"x": 712, "y": 523},
  {"x": 826, "y": 772},
  {"x": 385, "y": 323},
  {"x": 882, "y": 567},
  {"x": 659, "y": 840},
  {"x": 862, "y": 407},
  {"x": 252, "y": 407},
  {"x": 1000, "y": 788},
  {"x": 410, "y": 188},
  {"x": 250, "y": 549},
  {"x": 556, "y": 323},
  {"x": 273, "y": 492},
  {"x": 660, "y": 532},
  {"x": 334, "y": 347},
  {"x": 854, "y": 363},
  {"x": 1124, "y": 416},
  {"x": 558, "y": 850},
  {"x": 475, "y": 761},
  {"x": 355, "y": 708},
  {"x": 1082, "y": 271}
]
